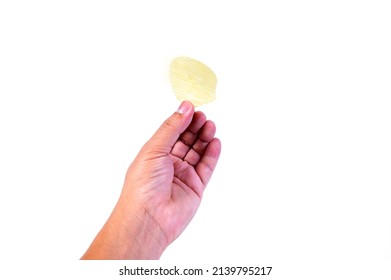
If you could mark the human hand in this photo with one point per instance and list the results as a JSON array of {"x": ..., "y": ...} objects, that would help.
[{"x": 163, "y": 188}]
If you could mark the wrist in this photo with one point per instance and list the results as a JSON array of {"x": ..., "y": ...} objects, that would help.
[
  {"x": 129, "y": 233},
  {"x": 140, "y": 233}
]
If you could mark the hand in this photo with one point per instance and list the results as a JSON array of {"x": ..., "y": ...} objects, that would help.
[{"x": 163, "y": 188}]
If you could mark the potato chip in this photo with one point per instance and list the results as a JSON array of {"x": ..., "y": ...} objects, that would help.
[{"x": 193, "y": 81}]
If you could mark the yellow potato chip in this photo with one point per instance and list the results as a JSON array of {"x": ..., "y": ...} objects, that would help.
[{"x": 192, "y": 80}]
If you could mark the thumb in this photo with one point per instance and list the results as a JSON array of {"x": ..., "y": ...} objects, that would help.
[{"x": 168, "y": 133}]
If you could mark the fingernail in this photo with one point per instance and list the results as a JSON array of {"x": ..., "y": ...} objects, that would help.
[{"x": 184, "y": 107}]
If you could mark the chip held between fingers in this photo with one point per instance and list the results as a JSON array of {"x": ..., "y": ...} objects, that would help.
[{"x": 193, "y": 81}]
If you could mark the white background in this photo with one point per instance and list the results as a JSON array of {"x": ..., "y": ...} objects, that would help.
[{"x": 302, "y": 110}]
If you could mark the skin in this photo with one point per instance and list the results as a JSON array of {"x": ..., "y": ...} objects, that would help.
[{"x": 163, "y": 189}]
